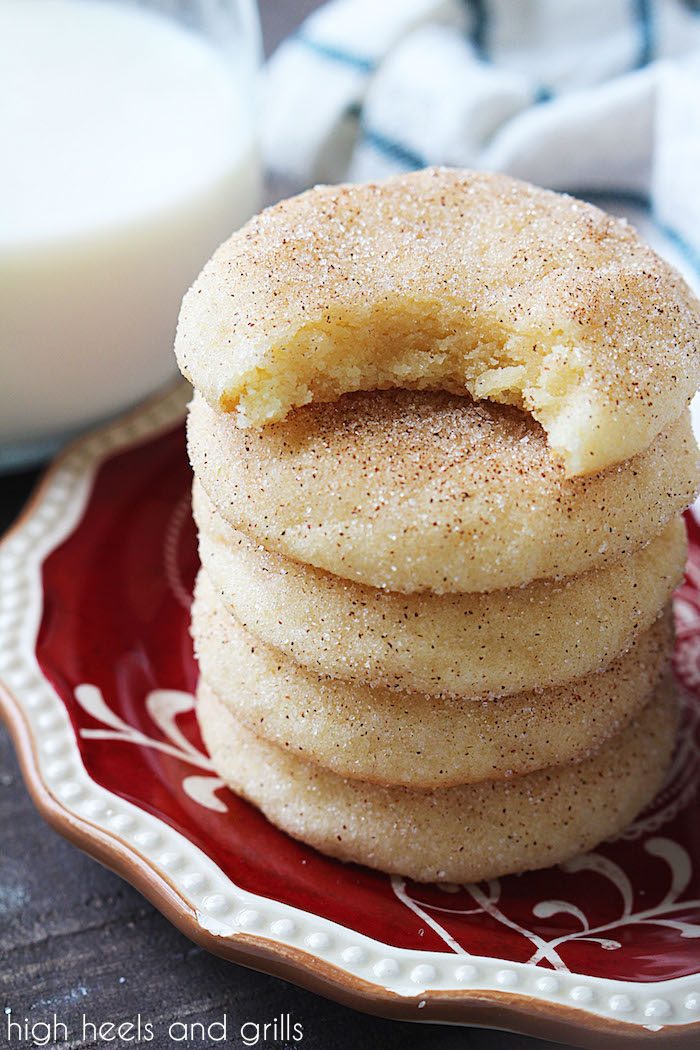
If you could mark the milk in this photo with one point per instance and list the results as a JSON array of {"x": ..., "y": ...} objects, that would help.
[{"x": 127, "y": 156}]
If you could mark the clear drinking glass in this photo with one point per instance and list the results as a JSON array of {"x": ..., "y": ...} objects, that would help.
[{"x": 129, "y": 154}]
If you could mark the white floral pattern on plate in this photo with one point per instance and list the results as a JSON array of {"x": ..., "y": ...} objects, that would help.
[{"x": 163, "y": 706}]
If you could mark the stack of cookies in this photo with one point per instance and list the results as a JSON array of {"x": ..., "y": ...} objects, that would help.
[{"x": 441, "y": 445}]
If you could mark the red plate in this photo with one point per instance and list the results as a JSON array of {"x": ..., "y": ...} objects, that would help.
[{"x": 95, "y": 588}]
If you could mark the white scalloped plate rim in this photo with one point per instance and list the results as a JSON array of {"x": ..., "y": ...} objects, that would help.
[{"x": 219, "y": 907}]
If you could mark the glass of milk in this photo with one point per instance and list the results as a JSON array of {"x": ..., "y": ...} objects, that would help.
[{"x": 128, "y": 155}]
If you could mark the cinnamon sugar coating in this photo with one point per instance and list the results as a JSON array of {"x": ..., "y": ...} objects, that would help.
[
  {"x": 456, "y": 834},
  {"x": 455, "y": 280},
  {"x": 447, "y": 645},
  {"x": 410, "y": 739},
  {"x": 428, "y": 491}
]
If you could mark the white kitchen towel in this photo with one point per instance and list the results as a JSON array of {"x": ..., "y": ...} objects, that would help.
[{"x": 596, "y": 97}]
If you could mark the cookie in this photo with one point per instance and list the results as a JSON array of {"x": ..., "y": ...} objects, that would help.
[
  {"x": 457, "y": 834},
  {"x": 418, "y": 741},
  {"x": 415, "y": 491},
  {"x": 470, "y": 282},
  {"x": 447, "y": 645}
]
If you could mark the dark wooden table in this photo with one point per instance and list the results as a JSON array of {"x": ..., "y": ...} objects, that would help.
[{"x": 75, "y": 939}]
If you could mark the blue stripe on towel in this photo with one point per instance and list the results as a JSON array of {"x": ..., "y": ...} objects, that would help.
[
  {"x": 477, "y": 35},
  {"x": 336, "y": 54},
  {"x": 689, "y": 253},
  {"x": 393, "y": 149},
  {"x": 637, "y": 200},
  {"x": 644, "y": 18}
]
